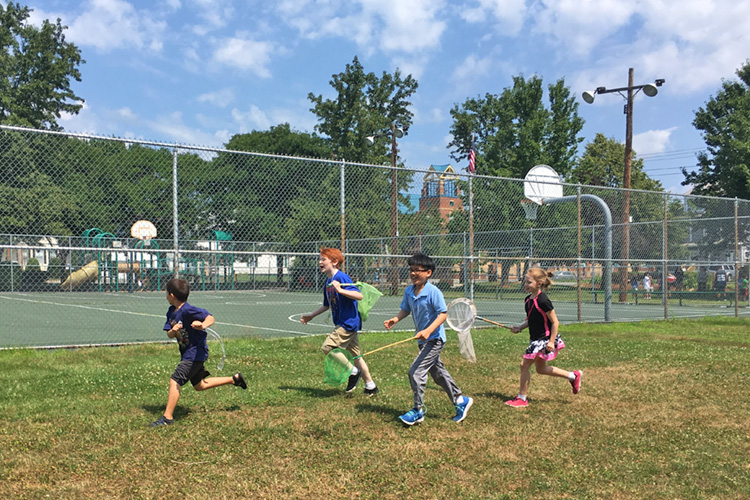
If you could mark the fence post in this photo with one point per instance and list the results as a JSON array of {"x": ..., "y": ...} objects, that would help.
[
  {"x": 665, "y": 252},
  {"x": 175, "y": 216},
  {"x": 578, "y": 254},
  {"x": 736, "y": 259},
  {"x": 342, "y": 195}
]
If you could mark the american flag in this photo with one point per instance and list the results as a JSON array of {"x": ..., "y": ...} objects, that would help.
[{"x": 472, "y": 159}]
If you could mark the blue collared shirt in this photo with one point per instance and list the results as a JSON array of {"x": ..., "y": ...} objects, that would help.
[{"x": 424, "y": 308}]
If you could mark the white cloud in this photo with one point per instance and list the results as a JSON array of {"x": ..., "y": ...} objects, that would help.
[
  {"x": 652, "y": 141},
  {"x": 214, "y": 15},
  {"x": 221, "y": 98},
  {"x": 245, "y": 54},
  {"x": 256, "y": 118},
  {"x": 172, "y": 127},
  {"x": 390, "y": 25},
  {"x": 471, "y": 67},
  {"x": 115, "y": 24},
  {"x": 253, "y": 119},
  {"x": 506, "y": 16}
]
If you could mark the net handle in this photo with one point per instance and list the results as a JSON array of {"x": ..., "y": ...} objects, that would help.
[
  {"x": 386, "y": 347},
  {"x": 476, "y": 316},
  {"x": 494, "y": 322}
]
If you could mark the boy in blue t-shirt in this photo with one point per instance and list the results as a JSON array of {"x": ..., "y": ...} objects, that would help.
[
  {"x": 340, "y": 295},
  {"x": 425, "y": 302},
  {"x": 187, "y": 324}
]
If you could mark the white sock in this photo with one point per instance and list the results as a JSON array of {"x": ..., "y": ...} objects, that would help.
[
  {"x": 521, "y": 396},
  {"x": 370, "y": 385},
  {"x": 571, "y": 376},
  {"x": 355, "y": 370}
]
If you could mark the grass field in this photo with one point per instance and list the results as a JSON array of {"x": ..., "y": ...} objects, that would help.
[{"x": 663, "y": 413}]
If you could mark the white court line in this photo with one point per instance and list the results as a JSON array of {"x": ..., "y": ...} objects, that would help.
[{"x": 79, "y": 306}]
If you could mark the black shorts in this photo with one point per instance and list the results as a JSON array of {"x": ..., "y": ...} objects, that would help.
[{"x": 189, "y": 370}]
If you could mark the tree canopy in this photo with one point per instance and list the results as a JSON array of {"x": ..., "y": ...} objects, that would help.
[
  {"x": 724, "y": 122},
  {"x": 36, "y": 69},
  {"x": 514, "y": 131}
]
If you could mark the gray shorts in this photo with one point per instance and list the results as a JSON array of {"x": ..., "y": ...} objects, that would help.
[{"x": 189, "y": 370}]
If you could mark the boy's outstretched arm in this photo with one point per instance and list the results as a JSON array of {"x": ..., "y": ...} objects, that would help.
[
  {"x": 398, "y": 317},
  {"x": 305, "y": 318}
]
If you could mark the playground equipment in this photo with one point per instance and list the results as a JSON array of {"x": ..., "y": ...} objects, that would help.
[
  {"x": 85, "y": 274},
  {"x": 99, "y": 262},
  {"x": 222, "y": 264},
  {"x": 106, "y": 265}
]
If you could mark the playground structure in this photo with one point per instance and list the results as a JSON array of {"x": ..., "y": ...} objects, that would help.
[{"x": 106, "y": 265}]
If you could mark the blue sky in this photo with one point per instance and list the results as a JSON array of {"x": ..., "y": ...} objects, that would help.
[{"x": 199, "y": 71}]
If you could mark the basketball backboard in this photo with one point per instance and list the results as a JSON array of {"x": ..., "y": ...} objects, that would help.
[{"x": 542, "y": 182}]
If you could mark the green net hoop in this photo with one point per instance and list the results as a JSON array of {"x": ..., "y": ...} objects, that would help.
[{"x": 337, "y": 366}]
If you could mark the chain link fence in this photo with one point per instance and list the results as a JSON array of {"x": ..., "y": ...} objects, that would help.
[{"x": 239, "y": 224}]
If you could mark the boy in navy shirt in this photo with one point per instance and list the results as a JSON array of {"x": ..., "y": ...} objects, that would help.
[{"x": 188, "y": 324}]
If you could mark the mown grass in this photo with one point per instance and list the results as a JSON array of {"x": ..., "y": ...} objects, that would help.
[{"x": 663, "y": 413}]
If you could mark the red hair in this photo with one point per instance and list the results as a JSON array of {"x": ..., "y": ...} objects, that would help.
[{"x": 334, "y": 255}]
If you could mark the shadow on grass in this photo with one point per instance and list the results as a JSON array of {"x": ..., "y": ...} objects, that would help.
[
  {"x": 388, "y": 411},
  {"x": 493, "y": 395},
  {"x": 158, "y": 410},
  {"x": 313, "y": 392}
]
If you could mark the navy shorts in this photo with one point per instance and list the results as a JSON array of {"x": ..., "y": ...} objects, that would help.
[{"x": 189, "y": 370}]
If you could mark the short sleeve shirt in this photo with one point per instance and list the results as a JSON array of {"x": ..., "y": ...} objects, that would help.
[
  {"x": 343, "y": 309},
  {"x": 539, "y": 324},
  {"x": 424, "y": 308},
  {"x": 192, "y": 342}
]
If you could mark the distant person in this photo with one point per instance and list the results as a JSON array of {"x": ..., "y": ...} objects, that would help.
[
  {"x": 634, "y": 283},
  {"x": 720, "y": 283},
  {"x": 545, "y": 341},
  {"x": 702, "y": 279},
  {"x": 425, "y": 302},
  {"x": 340, "y": 295},
  {"x": 647, "y": 287},
  {"x": 679, "y": 275},
  {"x": 188, "y": 324}
]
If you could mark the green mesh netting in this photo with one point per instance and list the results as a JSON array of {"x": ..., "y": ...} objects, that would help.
[
  {"x": 370, "y": 295},
  {"x": 337, "y": 366}
]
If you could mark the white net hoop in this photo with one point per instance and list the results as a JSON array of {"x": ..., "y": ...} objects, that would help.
[
  {"x": 529, "y": 208},
  {"x": 461, "y": 314}
]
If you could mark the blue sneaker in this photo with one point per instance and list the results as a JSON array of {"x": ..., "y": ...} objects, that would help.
[
  {"x": 462, "y": 408},
  {"x": 412, "y": 416}
]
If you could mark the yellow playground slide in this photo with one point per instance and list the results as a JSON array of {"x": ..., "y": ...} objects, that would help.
[{"x": 85, "y": 274}]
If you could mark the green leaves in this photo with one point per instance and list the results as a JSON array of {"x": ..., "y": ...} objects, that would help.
[
  {"x": 36, "y": 68},
  {"x": 723, "y": 170}
]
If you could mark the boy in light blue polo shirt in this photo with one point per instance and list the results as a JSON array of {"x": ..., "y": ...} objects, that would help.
[{"x": 425, "y": 302}]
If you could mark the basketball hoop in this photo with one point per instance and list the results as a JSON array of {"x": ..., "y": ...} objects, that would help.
[
  {"x": 529, "y": 207},
  {"x": 143, "y": 230}
]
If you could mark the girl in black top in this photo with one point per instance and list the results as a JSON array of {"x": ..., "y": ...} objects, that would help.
[{"x": 545, "y": 341}]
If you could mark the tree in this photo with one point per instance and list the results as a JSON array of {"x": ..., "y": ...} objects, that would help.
[
  {"x": 724, "y": 122},
  {"x": 364, "y": 105},
  {"x": 36, "y": 68},
  {"x": 261, "y": 196},
  {"x": 512, "y": 132},
  {"x": 602, "y": 164}
]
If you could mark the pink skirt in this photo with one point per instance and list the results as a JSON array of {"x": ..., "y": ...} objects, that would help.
[{"x": 538, "y": 349}]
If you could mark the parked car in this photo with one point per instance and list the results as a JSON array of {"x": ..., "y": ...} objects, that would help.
[
  {"x": 564, "y": 276},
  {"x": 728, "y": 268}
]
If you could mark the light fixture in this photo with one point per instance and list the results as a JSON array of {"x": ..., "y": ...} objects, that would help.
[{"x": 589, "y": 96}]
